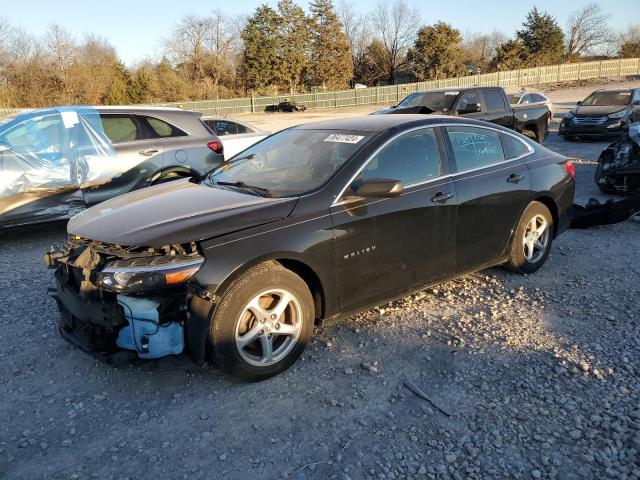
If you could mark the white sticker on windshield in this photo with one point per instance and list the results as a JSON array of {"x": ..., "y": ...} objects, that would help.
[
  {"x": 69, "y": 119},
  {"x": 451, "y": 93},
  {"x": 339, "y": 138}
]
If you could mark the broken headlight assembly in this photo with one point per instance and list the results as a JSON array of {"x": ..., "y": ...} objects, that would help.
[{"x": 148, "y": 274}]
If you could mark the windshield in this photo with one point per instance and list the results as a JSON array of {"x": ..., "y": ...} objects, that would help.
[
  {"x": 436, "y": 101},
  {"x": 289, "y": 163},
  {"x": 514, "y": 98},
  {"x": 618, "y": 99}
]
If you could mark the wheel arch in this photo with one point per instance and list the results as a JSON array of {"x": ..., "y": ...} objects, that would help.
[
  {"x": 293, "y": 262},
  {"x": 184, "y": 171},
  {"x": 548, "y": 201}
]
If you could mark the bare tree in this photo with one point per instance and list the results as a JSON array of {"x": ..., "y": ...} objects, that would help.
[
  {"x": 356, "y": 28},
  {"x": 396, "y": 23},
  {"x": 588, "y": 31},
  {"x": 629, "y": 42},
  {"x": 480, "y": 48},
  {"x": 204, "y": 46}
]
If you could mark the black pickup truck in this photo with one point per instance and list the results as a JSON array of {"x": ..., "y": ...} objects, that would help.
[{"x": 481, "y": 103}]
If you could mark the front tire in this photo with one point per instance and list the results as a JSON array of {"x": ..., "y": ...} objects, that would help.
[
  {"x": 262, "y": 323},
  {"x": 532, "y": 240}
]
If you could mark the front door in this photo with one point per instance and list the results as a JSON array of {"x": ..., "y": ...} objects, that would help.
[
  {"x": 385, "y": 246},
  {"x": 492, "y": 191}
]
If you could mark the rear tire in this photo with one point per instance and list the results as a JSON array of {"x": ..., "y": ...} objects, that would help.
[
  {"x": 532, "y": 239},
  {"x": 262, "y": 323}
]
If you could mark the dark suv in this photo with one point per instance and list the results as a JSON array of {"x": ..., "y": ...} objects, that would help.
[
  {"x": 55, "y": 162},
  {"x": 603, "y": 113}
]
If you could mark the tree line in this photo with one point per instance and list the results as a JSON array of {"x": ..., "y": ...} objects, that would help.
[{"x": 287, "y": 49}]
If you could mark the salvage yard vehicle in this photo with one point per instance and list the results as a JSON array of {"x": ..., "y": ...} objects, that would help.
[
  {"x": 479, "y": 103},
  {"x": 234, "y": 134},
  {"x": 526, "y": 97},
  {"x": 316, "y": 221},
  {"x": 55, "y": 162},
  {"x": 288, "y": 106},
  {"x": 603, "y": 113},
  {"x": 618, "y": 169}
]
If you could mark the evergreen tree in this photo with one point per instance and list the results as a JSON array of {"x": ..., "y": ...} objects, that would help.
[
  {"x": 510, "y": 55},
  {"x": 293, "y": 56},
  {"x": 370, "y": 67},
  {"x": 331, "y": 65},
  {"x": 139, "y": 90},
  {"x": 542, "y": 39},
  {"x": 262, "y": 43},
  {"x": 119, "y": 89},
  {"x": 437, "y": 53}
]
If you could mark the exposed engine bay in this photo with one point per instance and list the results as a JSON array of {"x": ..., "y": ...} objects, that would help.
[
  {"x": 618, "y": 168},
  {"x": 114, "y": 298}
]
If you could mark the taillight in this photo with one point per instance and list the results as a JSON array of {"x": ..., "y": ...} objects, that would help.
[
  {"x": 568, "y": 166},
  {"x": 216, "y": 146}
]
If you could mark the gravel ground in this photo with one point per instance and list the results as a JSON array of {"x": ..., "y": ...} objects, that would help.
[{"x": 525, "y": 377}]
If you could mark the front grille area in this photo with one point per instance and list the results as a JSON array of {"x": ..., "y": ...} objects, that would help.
[{"x": 589, "y": 120}]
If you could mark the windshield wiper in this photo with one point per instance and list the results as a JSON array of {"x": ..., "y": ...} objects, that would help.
[{"x": 263, "y": 192}]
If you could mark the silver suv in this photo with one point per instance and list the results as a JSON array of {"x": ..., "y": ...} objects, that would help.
[{"x": 55, "y": 162}]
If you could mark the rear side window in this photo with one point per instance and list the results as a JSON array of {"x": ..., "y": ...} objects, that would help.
[
  {"x": 474, "y": 147},
  {"x": 224, "y": 127},
  {"x": 494, "y": 100},
  {"x": 120, "y": 128},
  {"x": 411, "y": 158},
  {"x": 162, "y": 129},
  {"x": 513, "y": 147}
]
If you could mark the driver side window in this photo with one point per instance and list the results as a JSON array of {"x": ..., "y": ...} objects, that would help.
[{"x": 411, "y": 158}]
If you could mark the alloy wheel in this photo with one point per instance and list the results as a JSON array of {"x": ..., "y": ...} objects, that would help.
[
  {"x": 535, "y": 239},
  {"x": 268, "y": 327}
]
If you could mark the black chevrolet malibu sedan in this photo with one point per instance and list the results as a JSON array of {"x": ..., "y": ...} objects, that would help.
[{"x": 315, "y": 221}]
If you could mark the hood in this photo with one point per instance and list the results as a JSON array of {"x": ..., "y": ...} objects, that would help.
[
  {"x": 596, "y": 111},
  {"x": 176, "y": 212}
]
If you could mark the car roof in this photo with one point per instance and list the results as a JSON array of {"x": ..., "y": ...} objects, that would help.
[
  {"x": 112, "y": 108},
  {"x": 455, "y": 89},
  {"x": 630, "y": 89},
  {"x": 380, "y": 123}
]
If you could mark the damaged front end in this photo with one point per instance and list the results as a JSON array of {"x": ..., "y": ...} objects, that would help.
[
  {"x": 618, "y": 168},
  {"x": 114, "y": 298}
]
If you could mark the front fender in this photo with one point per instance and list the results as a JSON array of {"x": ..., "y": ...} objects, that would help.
[{"x": 308, "y": 241}]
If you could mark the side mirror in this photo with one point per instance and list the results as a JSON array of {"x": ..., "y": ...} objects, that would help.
[
  {"x": 378, "y": 188},
  {"x": 470, "y": 108},
  {"x": 579, "y": 102}
]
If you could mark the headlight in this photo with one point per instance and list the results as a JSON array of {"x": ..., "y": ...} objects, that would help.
[
  {"x": 148, "y": 274},
  {"x": 619, "y": 114},
  {"x": 569, "y": 114}
]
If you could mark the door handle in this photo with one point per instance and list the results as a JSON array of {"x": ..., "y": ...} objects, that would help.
[
  {"x": 148, "y": 153},
  {"x": 442, "y": 197},
  {"x": 513, "y": 178}
]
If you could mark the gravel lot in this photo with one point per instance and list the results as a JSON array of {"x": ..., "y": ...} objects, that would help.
[{"x": 528, "y": 377}]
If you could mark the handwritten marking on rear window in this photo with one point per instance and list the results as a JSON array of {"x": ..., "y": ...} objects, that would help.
[
  {"x": 340, "y": 138},
  {"x": 475, "y": 141}
]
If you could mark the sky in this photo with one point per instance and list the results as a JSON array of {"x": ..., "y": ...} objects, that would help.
[{"x": 137, "y": 28}]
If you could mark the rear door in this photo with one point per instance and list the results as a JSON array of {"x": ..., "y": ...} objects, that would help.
[
  {"x": 492, "y": 186},
  {"x": 138, "y": 153},
  {"x": 385, "y": 246},
  {"x": 498, "y": 109}
]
